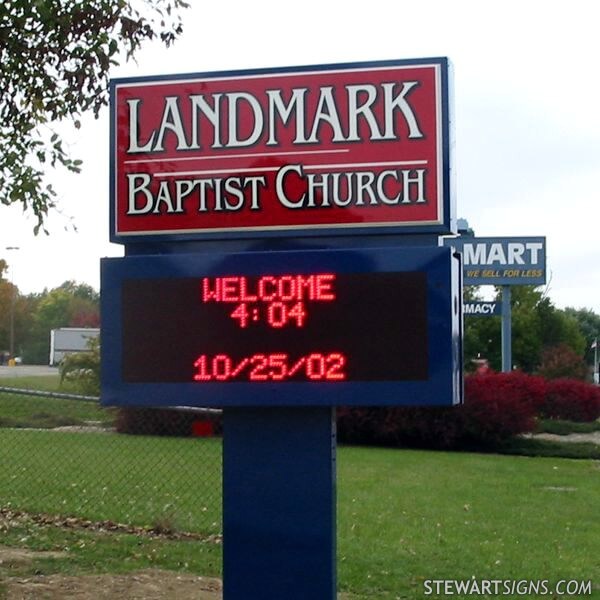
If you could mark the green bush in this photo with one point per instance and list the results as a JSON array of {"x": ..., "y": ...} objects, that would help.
[{"x": 83, "y": 369}]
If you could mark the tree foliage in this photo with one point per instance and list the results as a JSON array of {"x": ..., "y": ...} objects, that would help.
[
  {"x": 71, "y": 304},
  {"x": 537, "y": 325},
  {"x": 60, "y": 307},
  {"x": 589, "y": 325},
  {"x": 56, "y": 56},
  {"x": 561, "y": 361},
  {"x": 83, "y": 369}
]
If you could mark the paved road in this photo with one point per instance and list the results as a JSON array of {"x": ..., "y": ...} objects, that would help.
[{"x": 27, "y": 371}]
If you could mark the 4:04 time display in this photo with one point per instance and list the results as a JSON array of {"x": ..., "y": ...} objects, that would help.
[{"x": 276, "y": 314}]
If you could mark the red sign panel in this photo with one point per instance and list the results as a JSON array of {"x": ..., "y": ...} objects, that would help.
[{"x": 314, "y": 149}]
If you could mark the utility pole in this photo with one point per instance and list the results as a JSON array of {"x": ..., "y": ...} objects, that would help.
[{"x": 596, "y": 372}]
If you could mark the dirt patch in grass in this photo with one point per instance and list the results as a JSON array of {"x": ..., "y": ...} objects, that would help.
[
  {"x": 150, "y": 584},
  {"x": 13, "y": 557},
  {"x": 591, "y": 437}
]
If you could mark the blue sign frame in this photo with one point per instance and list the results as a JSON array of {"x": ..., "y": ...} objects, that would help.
[{"x": 443, "y": 387}]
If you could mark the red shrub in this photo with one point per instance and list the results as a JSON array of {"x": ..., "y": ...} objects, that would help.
[
  {"x": 425, "y": 427},
  {"x": 430, "y": 427},
  {"x": 497, "y": 406},
  {"x": 203, "y": 428},
  {"x": 162, "y": 421},
  {"x": 522, "y": 388},
  {"x": 357, "y": 425},
  {"x": 500, "y": 405},
  {"x": 559, "y": 362},
  {"x": 571, "y": 400}
]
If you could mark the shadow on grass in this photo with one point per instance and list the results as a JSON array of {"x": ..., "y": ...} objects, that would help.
[
  {"x": 560, "y": 427},
  {"x": 537, "y": 447},
  {"x": 40, "y": 421}
]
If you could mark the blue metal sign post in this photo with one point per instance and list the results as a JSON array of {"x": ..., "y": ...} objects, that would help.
[
  {"x": 279, "y": 496},
  {"x": 506, "y": 330}
]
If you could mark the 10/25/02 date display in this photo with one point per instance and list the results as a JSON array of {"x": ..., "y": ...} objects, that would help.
[{"x": 318, "y": 326}]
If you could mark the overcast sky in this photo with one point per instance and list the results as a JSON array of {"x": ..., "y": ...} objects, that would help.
[{"x": 526, "y": 105}]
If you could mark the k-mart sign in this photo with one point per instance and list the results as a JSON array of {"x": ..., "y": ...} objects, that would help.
[
  {"x": 502, "y": 260},
  {"x": 311, "y": 150}
]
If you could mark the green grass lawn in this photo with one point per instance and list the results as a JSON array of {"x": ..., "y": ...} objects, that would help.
[
  {"x": 560, "y": 427},
  {"x": 50, "y": 383},
  {"x": 408, "y": 516},
  {"x": 35, "y": 412},
  {"x": 31, "y": 411},
  {"x": 404, "y": 516},
  {"x": 136, "y": 480}
]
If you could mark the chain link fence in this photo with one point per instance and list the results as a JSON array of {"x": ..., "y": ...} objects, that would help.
[{"x": 62, "y": 455}]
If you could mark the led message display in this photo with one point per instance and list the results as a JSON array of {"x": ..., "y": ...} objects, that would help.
[
  {"x": 326, "y": 328},
  {"x": 318, "y": 149}
]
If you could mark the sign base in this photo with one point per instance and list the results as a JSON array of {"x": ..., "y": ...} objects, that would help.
[{"x": 279, "y": 503}]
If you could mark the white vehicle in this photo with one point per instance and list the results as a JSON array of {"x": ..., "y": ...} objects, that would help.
[{"x": 67, "y": 340}]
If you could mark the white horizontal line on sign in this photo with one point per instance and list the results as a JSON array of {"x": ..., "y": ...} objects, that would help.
[
  {"x": 248, "y": 155},
  {"x": 399, "y": 163},
  {"x": 217, "y": 171}
]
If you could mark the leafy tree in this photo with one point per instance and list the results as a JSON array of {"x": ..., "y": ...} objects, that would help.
[
  {"x": 482, "y": 340},
  {"x": 56, "y": 56},
  {"x": 536, "y": 326},
  {"x": 69, "y": 305},
  {"x": 83, "y": 313},
  {"x": 589, "y": 324},
  {"x": 6, "y": 292},
  {"x": 558, "y": 327},
  {"x": 481, "y": 335},
  {"x": 561, "y": 361},
  {"x": 15, "y": 308},
  {"x": 80, "y": 290}
]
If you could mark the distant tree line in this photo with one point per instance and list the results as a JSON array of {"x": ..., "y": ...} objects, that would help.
[
  {"x": 545, "y": 340},
  {"x": 35, "y": 315}
]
